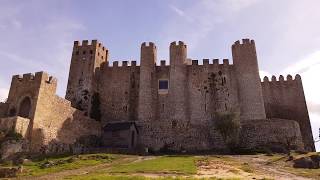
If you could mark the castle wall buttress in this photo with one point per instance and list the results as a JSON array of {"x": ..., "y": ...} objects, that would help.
[
  {"x": 83, "y": 80},
  {"x": 285, "y": 99}
]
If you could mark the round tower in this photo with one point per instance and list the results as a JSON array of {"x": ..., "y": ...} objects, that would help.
[
  {"x": 178, "y": 81},
  {"x": 248, "y": 80},
  {"x": 147, "y": 72},
  {"x": 146, "y": 105}
]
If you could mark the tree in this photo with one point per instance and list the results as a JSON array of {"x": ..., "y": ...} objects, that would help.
[{"x": 227, "y": 124}]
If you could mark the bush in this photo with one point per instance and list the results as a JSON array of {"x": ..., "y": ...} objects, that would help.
[{"x": 229, "y": 127}]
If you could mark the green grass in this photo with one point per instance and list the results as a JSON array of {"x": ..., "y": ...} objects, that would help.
[
  {"x": 116, "y": 177},
  {"x": 163, "y": 164},
  {"x": 34, "y": 168}
]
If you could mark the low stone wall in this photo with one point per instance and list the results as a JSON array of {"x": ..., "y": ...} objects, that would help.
[
  {"x": 18, "y": 124},
  {"x": 272, "y": 133}
]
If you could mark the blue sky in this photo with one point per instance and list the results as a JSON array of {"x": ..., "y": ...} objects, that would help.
[{"x": 38, "y": 34}]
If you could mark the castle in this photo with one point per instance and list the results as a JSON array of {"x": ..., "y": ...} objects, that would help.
[{"x": 157, "y": 105}]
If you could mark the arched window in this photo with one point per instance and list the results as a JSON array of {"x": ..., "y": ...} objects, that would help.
[{"x": 25, "y": 107}]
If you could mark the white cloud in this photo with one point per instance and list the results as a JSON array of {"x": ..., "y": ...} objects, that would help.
[
  {"x": 309, "y": 69},
  {"x": 3, "y": 94},
  {"x": 177, "y": 10},
  {"x": 263, "y": 73},
  {"x": 195, "y": 22},
  {"x": 315, "y": 121}
]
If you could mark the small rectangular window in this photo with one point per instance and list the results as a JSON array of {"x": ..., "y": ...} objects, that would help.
[{"x": 163, "y": 85}]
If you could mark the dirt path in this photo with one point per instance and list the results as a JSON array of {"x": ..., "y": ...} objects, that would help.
[{"x": 265, "y": 169}]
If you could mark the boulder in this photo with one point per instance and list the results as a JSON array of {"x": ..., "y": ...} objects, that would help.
[{"x": 306, "y": 162}]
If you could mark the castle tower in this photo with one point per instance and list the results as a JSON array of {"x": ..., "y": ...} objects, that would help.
[
  {"x": 146, "y": 103},
  {"x": 147, "y": 78},
  {"x": 177, "y": 81},
  {"x": 82, "y": 83},
  {"x": 248, "y": 80}
]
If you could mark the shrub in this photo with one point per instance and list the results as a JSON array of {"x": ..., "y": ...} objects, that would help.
[{"x": 229, "y": 127}]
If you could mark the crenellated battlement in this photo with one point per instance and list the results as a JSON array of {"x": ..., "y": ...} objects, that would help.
[
  {"x": 214, "y": 62},
  {"x": 37, "y": 78},
  {"x": 243, "y": 42},
  {"x": 281, "y": 79},
  {"x": 85, "y": 43},
  {"x": 178, "y": 44},
  {"x": 148, "y": 45},
  {"x": 122, "y": 64}
]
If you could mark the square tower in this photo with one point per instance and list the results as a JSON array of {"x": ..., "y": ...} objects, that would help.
[{"x": 82, "y": 83}]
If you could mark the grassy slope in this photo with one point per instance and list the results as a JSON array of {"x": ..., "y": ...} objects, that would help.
[
  {"x": 178, "y": 165},
  {"x": 163, "y": 164},
  {"x": 70, "y": 162}
]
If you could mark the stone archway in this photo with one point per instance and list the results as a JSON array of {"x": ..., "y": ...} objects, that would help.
[{"x": 25, "y": 107}]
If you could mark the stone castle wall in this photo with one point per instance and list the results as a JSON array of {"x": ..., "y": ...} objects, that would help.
[
  {"x": 210, "y": 88},
  {"x": 196, "y": 92},
  {"x": 180, "y": 117},
  {"x": 285, "y": 99},
  {"x": 119, "y": 91}
]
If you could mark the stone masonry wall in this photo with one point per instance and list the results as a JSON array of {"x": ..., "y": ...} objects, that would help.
[
  {"x": 271, "y": 133},
  {"x": 56, "y": 122},
  {"x": 285, "y": 99},
  {"x": 119, "y": 91}
]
